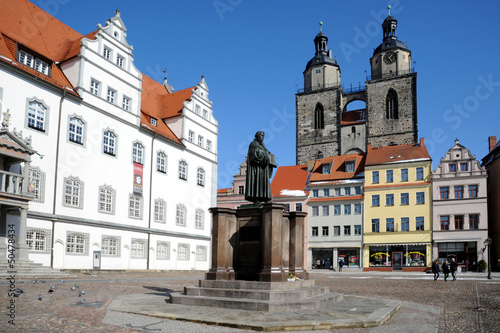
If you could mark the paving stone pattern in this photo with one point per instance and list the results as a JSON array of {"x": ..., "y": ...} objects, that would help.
[{"x": 465, "y": 305}]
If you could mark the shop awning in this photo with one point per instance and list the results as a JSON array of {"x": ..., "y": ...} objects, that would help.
[{"x": 398, "y": 244}]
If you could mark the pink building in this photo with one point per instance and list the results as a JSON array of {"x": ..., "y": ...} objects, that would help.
[{"x": 233, "y": 197}]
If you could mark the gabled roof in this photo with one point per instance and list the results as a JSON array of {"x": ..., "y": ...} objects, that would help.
[
  {"x": 397, "y": 154},
  {"x": 338, "y": 167},
  {"x": 290, "y": 181}
]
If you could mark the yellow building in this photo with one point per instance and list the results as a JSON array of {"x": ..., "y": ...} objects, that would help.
[{"x": 398, "y": 204}]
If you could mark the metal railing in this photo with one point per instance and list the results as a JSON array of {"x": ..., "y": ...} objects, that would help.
[{"x": 389, "y": 75}]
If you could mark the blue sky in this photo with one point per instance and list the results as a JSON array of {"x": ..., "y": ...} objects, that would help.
[{"x": 253, "y": 53}]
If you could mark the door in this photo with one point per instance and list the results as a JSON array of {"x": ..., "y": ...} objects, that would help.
[{"x": 397, "y": 260}]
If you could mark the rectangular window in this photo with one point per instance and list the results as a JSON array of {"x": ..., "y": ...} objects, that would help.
[
  {"x": 209, "y": 145},
  {"x": 444, "y": 192},
  {"x": 163, "y": 251},
  {"x": 37, "y": 114},
  {"x": 106, "y": 200},
  {"x": 459, "y": 192},
  {"x": 109, "y": 143},
  {"x": 347, "y": 190},
  {"x": 375, "y": 177},
  {"x": 287, "y": 207},
  {"x": 315, "y": 211},
  {"x": 180, "y": 215},
  {"x": 336, "y": 230},
  {"x": 197, "y": 109},
  {"x": 72, "y": 192},
  {"x": 324, "y": 231},
  {"x": 137, "y": 152},
  {"x": 138, "y": 249},
  {"x": 347, "y": 209},
  {"x": 405, "y": 224},
  {"x": 314, "y": 231},
  {"x": 94, "y": 87},
  {"x": 347, "y": 230},
  {"x": 336, "y": 210},
  {"x": 315, "y": 193},
  {"x": 76, "y": 243},
  {"x": 106, "y": 53},
  {"x": 405, "y": 198},
  {"x": 35, "y": 63},
  {"x": 326, "y": 192},
  {"x": 201, "y": 253},
  {"x": 452, "y": 167},
  {"x": 420, "y": 198},
  {"x": 419, "y": 223},
  {"x": 111, "y": 95},
  {"x": 126, "y": 105},
  {"x": 205, "y": 114},
  {"x": 26, "y": 58},
  {"x": 375, "y": 200},
  {"x": 404, "y": 175},
  {"x": 444, "y": 222},
  {"x": 357, "y": 209},
  {"x": 389, "y": 225},
  {"x": 135, "y": 207},
  {"x": 160, "y": 210},
  {"x": 337, "y": 192},
  {"x": 357, "y": 230},
  {"x": 200, "y": 140},
  {"x": 463, "y": 167},
  {"x": 420, "y": 173},
  {"x": 110, "y": 246},
  {"x": 75, "y": 130},
  {"x": 326, "y": 169},
  {"x": 375, "y": 225},
  {"x": 199, "y": 219},
  {"x": 472, "y": 191},
  {"x": 36, "y": 185},
  {"x": 326, "y": 210},
  {"x": 357, "y": 190},
  {"x": 241, "y": 189},
  {"x": 191, "y": 136},
  {"x": 183, "y": 252},
  {"x": 120, "y": 61},
  {"x": 349, "y": 166},
  {"x": 473, "y": 221},
  {"x": 37, "y": 240},
  {"x": 389, "y": 199},
  {"x": 389, "y": 175},
  {"x": 298, "y": 207},
  {"x": 459, "y": 222},
  {"x": 161, "y": 162}
]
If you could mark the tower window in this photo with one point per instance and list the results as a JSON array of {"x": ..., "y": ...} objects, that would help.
[
  {"x": 391, "y": 105},
  {"x": 319, "y": 118}
]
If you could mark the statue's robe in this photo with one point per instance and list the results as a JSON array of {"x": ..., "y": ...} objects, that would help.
[{"x": 260, "y": 163}]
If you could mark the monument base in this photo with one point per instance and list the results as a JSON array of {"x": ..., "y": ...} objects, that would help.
[{"x": 257, "y": 296}]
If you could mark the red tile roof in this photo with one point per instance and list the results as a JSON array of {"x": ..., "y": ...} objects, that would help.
[
  {"x": 397, "y": 154},
  {"x": 353, "y": 117},
  {"x": 224, "y": 190},
  {"x": 292, "y": 178},
  {"x": 338, "y": 167}
]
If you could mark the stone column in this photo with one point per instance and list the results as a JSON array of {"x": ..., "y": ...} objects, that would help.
[
  {"x": 223, "y": 229},
  {"x": 297, "y": 245},
  {"x": 21, "y": 246},
  {"x": 271, "y": 243}
]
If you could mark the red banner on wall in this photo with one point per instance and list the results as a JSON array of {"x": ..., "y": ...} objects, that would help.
[{"x": 138, "y": 179}]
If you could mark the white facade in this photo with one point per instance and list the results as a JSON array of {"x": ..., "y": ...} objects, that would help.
[{"x": 85, "y": 200}]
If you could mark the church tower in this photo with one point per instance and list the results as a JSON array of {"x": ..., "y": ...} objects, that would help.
[
  {"x": 318, "y": 105},
  {"x": 391, "y": 91}
]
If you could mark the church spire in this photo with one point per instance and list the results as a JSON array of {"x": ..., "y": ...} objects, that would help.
[{"x": 321, "y": 41}]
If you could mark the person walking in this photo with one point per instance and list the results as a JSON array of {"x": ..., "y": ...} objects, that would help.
[
  {"x": 435, "y": 269},
  {"x": 341, "y": 264},
  {"x": 446, "y": 270},
  {"x": 453, "y": 269}
]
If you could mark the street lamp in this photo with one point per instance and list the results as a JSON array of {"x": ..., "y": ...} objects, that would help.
[{"x": 487, "y": 243}]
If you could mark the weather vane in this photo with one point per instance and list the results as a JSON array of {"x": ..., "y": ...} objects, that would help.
[
  {"x": 320, "y": 26},
  {"x": 389, "y": 9}
]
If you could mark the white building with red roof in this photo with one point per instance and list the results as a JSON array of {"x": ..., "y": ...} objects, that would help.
[{"x": 127, "y": 167}]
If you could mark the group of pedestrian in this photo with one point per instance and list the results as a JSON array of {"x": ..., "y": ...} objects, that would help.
[{"x": 447, "y": 269}]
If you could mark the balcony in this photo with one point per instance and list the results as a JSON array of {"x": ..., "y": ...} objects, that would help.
[{"x": 389, "y": 75}]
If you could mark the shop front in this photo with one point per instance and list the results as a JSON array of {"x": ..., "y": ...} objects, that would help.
[
  {"x": 404, "y": 257},
  {"x": 322, "y": 258},
  {"x": 350, "y": 256},
  {"x": 465, "y": 254}
]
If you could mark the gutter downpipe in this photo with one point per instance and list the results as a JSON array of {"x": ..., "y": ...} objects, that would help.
[{"x": 55, "y": 178}]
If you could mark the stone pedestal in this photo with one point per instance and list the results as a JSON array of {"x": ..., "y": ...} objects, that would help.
[{"x": 257, "y": 243}]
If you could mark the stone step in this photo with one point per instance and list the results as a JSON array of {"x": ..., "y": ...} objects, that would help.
[
  {"x": 276, "y": 295},
  {"x": 256, "y": 285},
  {"x": 257, "y": 305}
]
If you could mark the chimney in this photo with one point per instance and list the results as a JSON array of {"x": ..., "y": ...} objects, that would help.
[{"x": 492, "y": 140}]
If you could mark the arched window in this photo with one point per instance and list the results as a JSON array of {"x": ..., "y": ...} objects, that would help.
[
  {"x": 320, "y": 155},
  {"x": 319, "y": 118},
  {"x": 353, "y": 130},
  {"x": 391, "y": 105}
]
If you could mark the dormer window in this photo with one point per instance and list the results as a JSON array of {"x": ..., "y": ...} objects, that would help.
[
  {"x": 153, "y": 121},
  {"x": 31, "y": 61},
  {"x": 325, "y": 169},
  {"x": 349, "y": 166}
]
